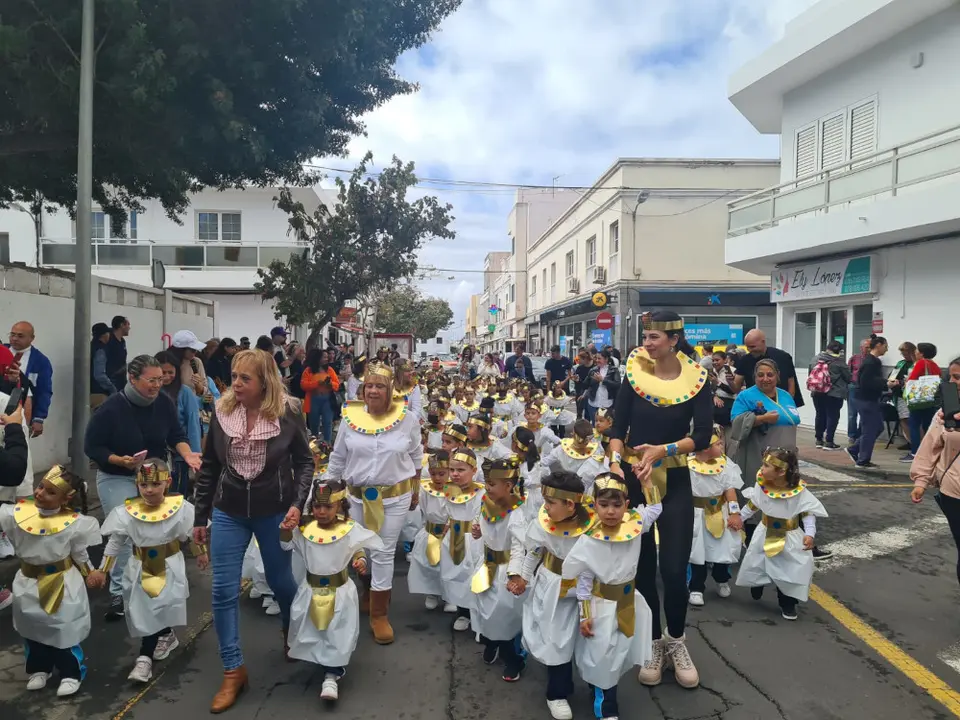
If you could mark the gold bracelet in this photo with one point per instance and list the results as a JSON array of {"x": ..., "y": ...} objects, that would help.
[
  {"x": 586, "y": 612},
  {"x": 84, "y": 568},
  {"x": 652, "y": 495},
  {"x": 106, "y": 565}
]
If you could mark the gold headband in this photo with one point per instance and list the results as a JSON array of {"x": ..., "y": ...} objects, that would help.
[
  {"x": 609, "y": 481},
  {"x": 55, "y": 477},
  {"x": 524, "y": 447},
  {"x": 663, "y": 326},
  {"x": 455, "y": 434},
  {"x": 558, "y": 494},
  {"x": 152, "y": 472},
  {"x": 320, "y": 453},
  {"x": 435, "y": 462},
  {"x": 379, "y": 370},
  {"x": 714, "y": 439},
  {"x": 464, "y": 458},
  {"x": 602, "y": 413},
  {"x": 477, "y": 420},
  {"x": 775, "y": 461},
  {"x": 325, "y": 496}
]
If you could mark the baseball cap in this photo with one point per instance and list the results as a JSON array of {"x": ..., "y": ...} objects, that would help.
[
  {"x": 278, "y": 331},
  {"x": 186, "y": 339},
  {"x": 99, "y": 329}
]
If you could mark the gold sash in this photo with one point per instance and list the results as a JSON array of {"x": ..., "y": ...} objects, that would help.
[
  {"x": 49, "y": 577},
  {"x": 153, "y": 573},
  {"x": 555, "y": 565},
  {"x": 776, "y": 534},
  {"x": 372, "y": 497},
  {"x": 435, "y": 533},
  {"x": 483, "y": 578},
  {"x": 458, "y": 540},
  {"x": 712, "y": 514},
  {"x": 622, "y": 595},
  {"x": 323, "y": 602}
]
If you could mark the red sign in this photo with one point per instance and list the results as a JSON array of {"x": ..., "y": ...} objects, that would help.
[
  {"x": 604, "y": 321},
  {"x": 346, "y": 315}
]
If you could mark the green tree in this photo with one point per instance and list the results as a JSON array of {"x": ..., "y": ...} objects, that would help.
[
  {"x": 188, "y": 94},
  {"x": 406, "y": 310},
  {"x": 368, "y": 240}
]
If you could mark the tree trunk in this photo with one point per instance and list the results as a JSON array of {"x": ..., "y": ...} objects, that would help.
[{"x": 312, "y": 339}]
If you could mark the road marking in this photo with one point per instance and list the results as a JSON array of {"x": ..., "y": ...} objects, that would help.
[
  {"x": 879, "y": 543},
  {"x": 951, "y": 656},
  {"x": 920, "y": 675},
  {"x": 861, "y": 485},
  {"x": 824, "y": 474}
]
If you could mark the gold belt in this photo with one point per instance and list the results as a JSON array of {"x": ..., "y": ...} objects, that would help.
[
  {"x": 435, "y": 533},
  {"x": 458, "y": 539},
  {"x": 776, "y": 534},
  {"x": 49, "y": 577},
  {"x": 372, "y": 497},
  {"x": 483, "y": 578},
  {"x": 153, "y": 573},
  {"x": 555, "y": 565},
  {"x": 712, "y": 514},
  {"x": 622, "y": 595},
  {"x": 323, "y": 601}
]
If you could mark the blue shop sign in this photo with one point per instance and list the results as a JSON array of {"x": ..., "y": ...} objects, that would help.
[
  {"x": 716, "y": 333},
  {"x": 601, "y": 338}
]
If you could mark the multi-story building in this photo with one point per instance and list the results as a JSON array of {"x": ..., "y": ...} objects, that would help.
[
  {"x": 212, "y": 250},
  {"x": 439, "y": 345},
  {"x": 494, "y": 286},
  {"x": 650, "y": 235},
  {"x": 862, "y": 233},
  {"x": 470, "y": 320}
]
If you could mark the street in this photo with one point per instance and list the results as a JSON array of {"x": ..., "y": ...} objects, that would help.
[{"x": 875, "y": 641}]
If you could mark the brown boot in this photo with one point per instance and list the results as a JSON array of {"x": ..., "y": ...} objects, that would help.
[
  {"x": 379, "y": 622},
  {"x": 364, "y": 594},
  {"x": 234, "y": 683}
]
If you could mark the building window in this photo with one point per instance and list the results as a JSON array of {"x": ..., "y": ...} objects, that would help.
[
  {"x": 98, "y": 225},
  {"x": 836, "y": 138},
  {"x": 439, "y": 341},
  {"x": 614, "y": 237},
  {"x": 214, "y": 227},
  {"x": 570, "y": 264},
  {"x": 133, "y": 225},
  {"x": 592, "y": 252},
  {"x": 533, "y": 285},
  {"x": 513, "y": 291},
  {"x": 208, "y": 226}
]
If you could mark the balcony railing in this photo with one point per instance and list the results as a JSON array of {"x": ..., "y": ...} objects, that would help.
[
  {"x": 934, "y": 158},
  {"x": 187, "y": 256}
]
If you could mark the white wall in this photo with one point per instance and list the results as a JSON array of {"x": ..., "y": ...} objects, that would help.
[
  {"x": 431, "y": 347},
  {"x": 239, "y": 315}
]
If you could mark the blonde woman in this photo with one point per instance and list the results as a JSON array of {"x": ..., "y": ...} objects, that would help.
[{"x": 254, "y": 478}]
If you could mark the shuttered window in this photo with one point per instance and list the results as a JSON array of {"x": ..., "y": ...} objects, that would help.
[
  {"x": 806, "y": 151},
  {"x": 832, "y": 141},
  {"x": 863, "y": 130}
]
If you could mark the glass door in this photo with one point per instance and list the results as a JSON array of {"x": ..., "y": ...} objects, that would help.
[
  {"x": 833, "y": 326},
  {"x": 804, "y": 338}
]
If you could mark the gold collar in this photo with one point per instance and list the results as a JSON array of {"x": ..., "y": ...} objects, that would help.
[
  {"x": 780, "y": 494},
  {"x": 28, "y": 518},
  {"x": 630, "y": 528},
  {"x": 568, "y": 528},
  {"x": 639, "y": 371},
  {"x": 457, "y": 496},
  {"x": 473, "y": 407},
  {"x": 707, "y": 467},
  {"x": 477, "y": 446},
  {"x": 503, "y": 400},
  {"x": 312, "y": 532},
  {"x": 361, "y": 421},
  {"x": 567, "y": 445},
  {"x": 139, "y": 510},
  {"x": 493, "y": 513},
  {"x": 427, "y": 487}
]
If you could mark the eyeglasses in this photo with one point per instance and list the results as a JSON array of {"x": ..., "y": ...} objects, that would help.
[{"x": 152, "y": 381}]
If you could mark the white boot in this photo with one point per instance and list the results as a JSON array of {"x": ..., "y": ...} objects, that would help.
[
  {"x": 652, "y": 671},
  {"x": 678, "y": 657}
]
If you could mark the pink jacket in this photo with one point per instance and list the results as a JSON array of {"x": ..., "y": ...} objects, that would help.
[{"x": 937, "y": 462}]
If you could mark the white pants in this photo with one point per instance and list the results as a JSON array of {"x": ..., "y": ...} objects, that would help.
[{"x": 381, "y": 561}]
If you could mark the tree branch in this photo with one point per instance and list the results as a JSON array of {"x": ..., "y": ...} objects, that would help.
[{"x": 55, "y": 30}]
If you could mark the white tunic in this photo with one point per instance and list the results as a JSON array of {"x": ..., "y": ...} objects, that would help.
[
  {"x": 494, "y": 451},
  {"x": 497, "y": 612},
  {"x": 532, "y": 478},
  {"x": 456, "y": 578},
  {"x": 70, "y": 625},
  {"x": 792, "y": 569},
  {"x": 561, "y": 411},
  {"x": 707, "y": 548},
  {"x": 334, "y": 646},
  {"x": 586, "y": 469},
  {"x": 146, "y": 615},
  {"x": 422, "y": 577}
]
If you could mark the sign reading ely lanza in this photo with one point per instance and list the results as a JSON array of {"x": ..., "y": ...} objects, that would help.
[{"x": 830, "y": 278}]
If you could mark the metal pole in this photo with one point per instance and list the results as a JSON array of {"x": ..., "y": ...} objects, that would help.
[{"x": 81, "y": 291}]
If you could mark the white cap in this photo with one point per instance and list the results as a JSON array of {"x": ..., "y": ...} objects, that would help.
[{"x": 186, "y": 339}]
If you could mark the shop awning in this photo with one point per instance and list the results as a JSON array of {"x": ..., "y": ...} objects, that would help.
[{"x": 349, "y": 327}]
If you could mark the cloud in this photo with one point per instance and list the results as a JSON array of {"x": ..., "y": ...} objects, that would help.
[{"x": 526, "y": 92}]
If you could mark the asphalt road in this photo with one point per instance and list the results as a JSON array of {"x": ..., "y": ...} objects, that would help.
[{"x": 876, "y": 641}]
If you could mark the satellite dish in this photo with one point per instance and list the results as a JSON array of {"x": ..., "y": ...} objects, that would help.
[{"x": 158, "y": 274}]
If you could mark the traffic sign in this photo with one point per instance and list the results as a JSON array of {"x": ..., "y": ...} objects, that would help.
[
  {"x": 599, "y": 299},
  {"x": 604, "y": 321}
]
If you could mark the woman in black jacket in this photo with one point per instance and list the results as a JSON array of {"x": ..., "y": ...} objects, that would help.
[
  {"x": 13, "y": 456},
  {"x": 602, "y": 385},
  {"x": 870, "y": 386}
]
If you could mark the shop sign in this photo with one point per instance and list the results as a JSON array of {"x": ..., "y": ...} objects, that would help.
[
  {"x": 831, "y": 278},
  {"x": 877, "y": 325},
  {"x": 716, "y": 333},
  {"x": 601, "y": 338}
]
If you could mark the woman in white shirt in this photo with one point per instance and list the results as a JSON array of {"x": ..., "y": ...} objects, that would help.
[
  {"x": 602, "y": 385},
  {"x": 354, "y": 381},
  {"x": 378, "y": 454},
  {"x": 489, "y": 368}
]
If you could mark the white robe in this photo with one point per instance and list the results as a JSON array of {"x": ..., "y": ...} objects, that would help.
[
  {"x": 422, "y": 577},
  {"x": 586, "y": 469},
  {"x": 706, "y": 548},
  {"x": 456, "y": 578},
  {"x": 560, "y": 411},
  {"x": 498, "y": 613},
  {"x": 532, "y": 479}
]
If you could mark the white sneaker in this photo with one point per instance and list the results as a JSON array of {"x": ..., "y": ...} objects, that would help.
[
  {"x": 6, "y": 547},
  {"x": 678, "y": 657},
  {"x": 38, "y": 681},
  {"x": 255, "y": 593},
  {"x": 329, "y": 689},
  {"x": 408, "y": 557},
  {"x": 723, "y": 590},
  {"x": 142, "y": 670},
  {"x": 560, "y": 709},
  {"x": 68, "y": 686},
  {"x": 461, "y": 624},
  {"x": 272, "y": 608},
  {"x": 267, "y": 599},
  {"x": 696, "y": 599},
  {"x": 652, "y": 671},
  {"x": 430, "y": 602},
  {"x": 166, "y": 644},
  {"x": 449, "y": 608}
]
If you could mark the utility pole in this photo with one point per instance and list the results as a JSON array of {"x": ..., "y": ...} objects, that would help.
[{"x": 82, "y": 284}]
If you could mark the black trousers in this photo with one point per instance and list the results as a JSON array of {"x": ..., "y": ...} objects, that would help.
[
  {"x": 605, "y": 701},
  {"x": 46, "y": 658},
  {"x": 698, "y": 576},
  {"x": 828, "y": 416},
  {"x": 559, "y": 681},
  {"x": 338, "y": 671},
  {"x": 509, "y": 652},
  {"x": 950, "y": 507},
  {"x": 149, "y": 643},
  {"x": 676, "y": 538},
  {"x": 784, "y": 601}
]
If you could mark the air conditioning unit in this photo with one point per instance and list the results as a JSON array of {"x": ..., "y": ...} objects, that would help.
[
  {"x": 573, "y": 286},
  {"x": 599, "y": 275}
]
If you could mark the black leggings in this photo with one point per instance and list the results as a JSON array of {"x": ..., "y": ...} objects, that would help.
[
  {"x": 676, "y": 538},
  {"x": 950, "y": 506},
  {"x": 45, "y": 658},
  {"x": 698, "y": 576}
]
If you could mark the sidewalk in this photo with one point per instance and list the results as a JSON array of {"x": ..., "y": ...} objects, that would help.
[{"x": 887, "y": 460}]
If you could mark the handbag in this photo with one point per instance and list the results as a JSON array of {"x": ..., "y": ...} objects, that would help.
[{"x": 921, "y": 394}]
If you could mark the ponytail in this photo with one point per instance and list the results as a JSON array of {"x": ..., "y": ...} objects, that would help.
[{"x": 525, "y": 437}]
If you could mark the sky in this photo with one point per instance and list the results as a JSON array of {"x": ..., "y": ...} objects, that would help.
[{"x": 553, "y": 91}]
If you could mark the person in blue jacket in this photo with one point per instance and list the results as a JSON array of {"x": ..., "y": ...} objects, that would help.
[
  {"x": 36, "y": 368},
  {"x": 188, "y": 410}
]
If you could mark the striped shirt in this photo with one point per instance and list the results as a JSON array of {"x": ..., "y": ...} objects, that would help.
[{"x": 247, "y": 453}]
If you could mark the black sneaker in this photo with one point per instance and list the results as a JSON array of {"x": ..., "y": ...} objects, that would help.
[
  {"x": 789, "y": 613},
  {"x": 866, "y": 464},
  {"x": 853, "y": 455},
  {"x": 830, "y": 446},
  {"x": 491, "y": 652},
  {"x": 819, "y": 444},
  {"x": 819, "y": 554},
  {"x": 511, "y": 673},
  {"x": 115, "y": 611},
  {"x": 756, "y": 592}
]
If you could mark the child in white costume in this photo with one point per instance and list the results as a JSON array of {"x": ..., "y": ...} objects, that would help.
[
  {"x": 155, "y": 587},
  {"x": 531, "y": 471},
  {"x": 468, "y": 406},
  {"x": 325, "y": 614},
  {"x": 545, "y": 438},
  {"x": 51, "y": 540},
  {"x": 780, "y": 549},
  {"x": 459, "y": 549},
  {"x": 579, "y": 454},
  {"x": 715, "y": 479},
  {"x": 497, "y": 583},
  {"x": 561, "y": 409},
  {"x": 615, "y": 622},
  {"x": 551, "y": 623},
  {"x": 482, "y": 443},
  {"x": 423, "y": 576}
]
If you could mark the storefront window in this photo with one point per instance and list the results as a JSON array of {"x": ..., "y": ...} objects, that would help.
[
  {"x": 804, "y": 338},
  {"x": 833, "y": 326},
  {"x": 862, "y": 322}
]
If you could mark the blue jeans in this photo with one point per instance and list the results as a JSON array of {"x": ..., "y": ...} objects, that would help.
[
  {"x": 919, "y": 424},
  {"x": 229, "y": 538},
  {"x": 113, "y": 490},
  {"x": 321, "y": 408},
  {"x": 853, "y": 423},
  {"x": 871, "y": 425}
]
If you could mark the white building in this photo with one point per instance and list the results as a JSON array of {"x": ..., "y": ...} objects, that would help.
[
  {"x": 650, "y": 235},
  {"x": 439, "y": 345},
  {"x": 863, "y": 232},
  {"x": 213, "y": 250},
  {"x": 491, "y": 330}
]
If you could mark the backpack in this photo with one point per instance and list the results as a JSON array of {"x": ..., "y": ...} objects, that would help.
[{"x": 819, "y": 379}]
